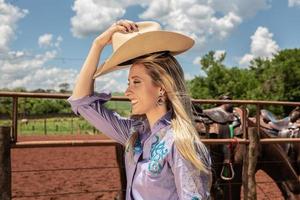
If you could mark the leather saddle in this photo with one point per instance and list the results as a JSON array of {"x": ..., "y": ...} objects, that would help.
[
  {"x": 212, "y": 118},
  {"x": 271, "y": 122},
  {"x": 219, "y": 115},
  {"x": 216, "y": 121},
  {"x": 283, "y": 128}
]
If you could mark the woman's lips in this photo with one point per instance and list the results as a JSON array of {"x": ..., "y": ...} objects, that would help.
[{"x": 133, "y": 102}]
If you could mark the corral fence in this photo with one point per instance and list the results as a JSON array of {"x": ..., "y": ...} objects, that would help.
[{"x": 9, "y": 139}]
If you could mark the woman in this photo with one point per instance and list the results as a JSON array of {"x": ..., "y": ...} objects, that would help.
[{"x": 164, "y": 157}]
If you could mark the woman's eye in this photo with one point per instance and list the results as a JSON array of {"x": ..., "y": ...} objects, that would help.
[{"x": 135, "y": 82}]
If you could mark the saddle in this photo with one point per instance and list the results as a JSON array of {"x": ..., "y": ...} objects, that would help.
[
  {"x": 219, "y": 115},
  {"x": 283, "y": 128},
  {"x": 211, "y": 119},
  {"x": 221, "y": 121},
  {"x": 271, "y": 121}
]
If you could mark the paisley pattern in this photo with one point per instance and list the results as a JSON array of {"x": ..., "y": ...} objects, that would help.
[{"x": 157, "y": 154}]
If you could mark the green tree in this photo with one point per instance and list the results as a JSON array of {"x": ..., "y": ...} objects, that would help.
[
  {"x": 221, "y": 80},
  {"x": 64, "y": 87}
]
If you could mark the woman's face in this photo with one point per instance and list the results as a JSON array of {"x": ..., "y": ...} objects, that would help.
[{"x": 141, "y": 91}]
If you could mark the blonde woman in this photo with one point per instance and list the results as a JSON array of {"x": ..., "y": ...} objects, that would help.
[{"x": 164, "y": 157}]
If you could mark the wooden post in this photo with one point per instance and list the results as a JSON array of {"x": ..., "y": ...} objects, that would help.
[
  {"x": 72, "y": 125},
  {"x": 15, "y": 120},
  {"x": 121, "y": 164},
  {"x": 5, "y": 167},
  {"x": 45, "y": 126},
  {"x": 253, "y": 154},
  {"x": 245, "y": 158}
]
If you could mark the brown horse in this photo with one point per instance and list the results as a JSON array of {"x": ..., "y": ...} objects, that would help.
[
  {"x": 281, "y": 172},
  {"x": 215, "y": 123},
  {"x": 287, "y": 128}
]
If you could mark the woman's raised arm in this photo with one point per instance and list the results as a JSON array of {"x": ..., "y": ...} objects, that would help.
[{"x": 85, "y": 83}]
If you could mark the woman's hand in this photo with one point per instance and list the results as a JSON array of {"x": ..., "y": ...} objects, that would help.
[{"x": 123, "y": 26}]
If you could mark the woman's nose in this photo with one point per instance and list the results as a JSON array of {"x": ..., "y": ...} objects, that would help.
[{"x": 128, "y": 91}]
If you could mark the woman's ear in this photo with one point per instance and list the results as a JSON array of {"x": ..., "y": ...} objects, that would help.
[{"x": 162, "y": 91}]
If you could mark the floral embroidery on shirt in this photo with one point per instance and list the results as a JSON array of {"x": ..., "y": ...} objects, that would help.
[{"x": 157, "y": 153}]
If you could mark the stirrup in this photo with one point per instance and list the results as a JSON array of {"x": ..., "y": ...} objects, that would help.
[{"x": 231, "y": 170}]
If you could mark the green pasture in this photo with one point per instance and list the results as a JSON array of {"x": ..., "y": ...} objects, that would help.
[
  {"x": 62, "y": 125},
  {"x": 53, "y": 126}
]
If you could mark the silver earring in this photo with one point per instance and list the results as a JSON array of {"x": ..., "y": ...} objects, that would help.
[{"x": 160, "y": 100}]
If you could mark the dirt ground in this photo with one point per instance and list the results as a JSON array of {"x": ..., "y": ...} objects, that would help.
[{"x": 83, "y": 173}]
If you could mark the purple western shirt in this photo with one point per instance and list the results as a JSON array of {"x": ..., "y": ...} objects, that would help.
[{"x": 157, "y": 170}]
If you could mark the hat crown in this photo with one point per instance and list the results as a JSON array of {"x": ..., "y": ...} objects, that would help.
[{"x": 118, "y": 38}]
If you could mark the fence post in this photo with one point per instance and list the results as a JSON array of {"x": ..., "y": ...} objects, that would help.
[
  {"x": 121, "y": 164},
  {"x": 45, "y": 126},
  {"x": 5, "y": 163},
  {"x": 253, "y": 154},
  {"x": 245, "y": 158},
  {"x": 72, "y": 125},
  {"x": 15, "y": 119}
]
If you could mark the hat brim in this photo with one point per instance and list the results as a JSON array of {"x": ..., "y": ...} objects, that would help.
[{"x": 145, "y": 43}]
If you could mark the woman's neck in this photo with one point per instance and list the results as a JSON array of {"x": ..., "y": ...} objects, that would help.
[{"x": 154, "y": 115}]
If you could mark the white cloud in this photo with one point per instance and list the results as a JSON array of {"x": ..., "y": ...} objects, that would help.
[
  {"x": 46, "y": 40},
  {"x": 188, "y": 76},
  {"x": 199, "y": 20},
  {"x": 115, "y": 81},
  {"x": 262, "y": 45},
  {"x": 9, "y": 16},
  {"x": 29, "y": 70},
  {"x": 202, "y": 20},
  {"x": 245, "y": 60},
  {"x": 242, "y": 8},
  {"x": 294, "y": 3},
  {"x": 59, "y": 39},
  {"x": 94, "y": 16},
  {"x": 197, "y": 60},
  {"x": 218, "y": 54},
  {"x": 20, "y": 69}
]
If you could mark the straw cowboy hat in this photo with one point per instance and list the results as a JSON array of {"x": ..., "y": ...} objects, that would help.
[{"x": 149, "y": 39}]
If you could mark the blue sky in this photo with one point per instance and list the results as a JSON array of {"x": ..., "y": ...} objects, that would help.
[{"x": 44, "y": 43}]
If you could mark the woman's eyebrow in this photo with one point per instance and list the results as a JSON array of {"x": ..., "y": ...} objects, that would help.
[{"x": 135, "y": 77}]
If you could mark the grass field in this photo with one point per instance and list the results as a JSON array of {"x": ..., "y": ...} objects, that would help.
[
  {"x": 63, "y": 125},
  {"x": 53, "y": 126}
]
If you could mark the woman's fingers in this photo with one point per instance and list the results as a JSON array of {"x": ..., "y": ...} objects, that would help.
[{"x": 129, "y": 26}]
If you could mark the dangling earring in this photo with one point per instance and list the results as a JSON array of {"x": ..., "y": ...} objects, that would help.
[{"x": 160, "y": 100}]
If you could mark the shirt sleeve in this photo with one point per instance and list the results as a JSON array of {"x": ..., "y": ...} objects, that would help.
[
  {"x": 191, "y": 184},
  {"x": 107, "y": 121}
]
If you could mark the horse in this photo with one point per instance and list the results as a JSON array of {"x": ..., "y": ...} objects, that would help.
[
  {"x": 213, "y": 123},
  {"x": 219, "y": 122},
  {"x": 287, "y": 127}
]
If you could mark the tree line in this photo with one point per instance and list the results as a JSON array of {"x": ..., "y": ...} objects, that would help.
[{"x": 275, "y": 79}]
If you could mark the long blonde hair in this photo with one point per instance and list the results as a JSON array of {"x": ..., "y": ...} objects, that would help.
[{"x": 167, "y": 73}]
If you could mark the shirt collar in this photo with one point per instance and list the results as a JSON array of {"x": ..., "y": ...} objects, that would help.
[
  {"x": 142, "y": 125},
  {"x": 164, "y": 121}
]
